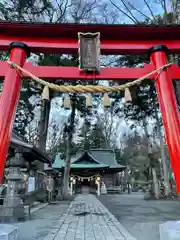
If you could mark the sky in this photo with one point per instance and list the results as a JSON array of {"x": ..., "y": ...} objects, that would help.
[{"x": 139, "y": 4}]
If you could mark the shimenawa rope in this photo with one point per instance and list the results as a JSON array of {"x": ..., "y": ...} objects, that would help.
[{"x": 87, "y": 88}]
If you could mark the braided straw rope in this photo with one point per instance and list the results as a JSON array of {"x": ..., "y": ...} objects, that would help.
[{"x": 87, "y": 88}]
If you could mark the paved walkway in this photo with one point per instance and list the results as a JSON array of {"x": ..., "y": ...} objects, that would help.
[
  {"x": 88, "y": 219},
  {"x": 42, "y": 221}
]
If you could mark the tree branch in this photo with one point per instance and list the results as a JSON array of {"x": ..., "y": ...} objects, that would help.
[
  {"x": 164, "y": 6},
  {"x": 174, "y": 9},
  {"x": 128, "y": 10},
  {"x": 134, "y": 20},
  {"x": 150, "y": 10},
  {"x": 136, "y": 9}
]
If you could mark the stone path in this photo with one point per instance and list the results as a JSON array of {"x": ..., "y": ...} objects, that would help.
[{"x": 88, "y": 219}]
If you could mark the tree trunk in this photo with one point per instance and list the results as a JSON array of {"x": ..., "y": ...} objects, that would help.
[
  {"x": 67, "y": 168},
  {"x": 43, "y": 127},
  {"x": 165, "y": 168},
  {"x": 155, "y": 184},
  {"x": 147, "y": 137},
  {"x": 163, "y": 155},
  {"x": 150, "y": 169},
  {"x": 68, "y": 149},
  {"x": 125, "y": 178}
]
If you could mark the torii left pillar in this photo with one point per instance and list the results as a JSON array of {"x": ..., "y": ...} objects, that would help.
[{"x": 9, "y": 99}]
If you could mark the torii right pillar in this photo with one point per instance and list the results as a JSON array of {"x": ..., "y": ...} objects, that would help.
[{"x": 169, "y": 109}]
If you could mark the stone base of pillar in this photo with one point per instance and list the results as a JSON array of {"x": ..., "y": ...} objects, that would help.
[
  {"x": 170, "y": 230},
  {"x": 8, "y": 232},
  {"x": 12, "y": 209}
]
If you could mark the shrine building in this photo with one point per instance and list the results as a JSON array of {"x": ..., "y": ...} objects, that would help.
[{"x": 92, "y": 169}]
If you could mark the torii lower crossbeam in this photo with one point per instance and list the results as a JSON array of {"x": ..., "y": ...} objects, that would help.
[{"x": 73, "y": 73}]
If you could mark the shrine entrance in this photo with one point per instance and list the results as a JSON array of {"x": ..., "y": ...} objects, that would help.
[
  {"x": 89, "y": 41},
  {"x": 86, "y": 184},
  {"x": 83, "y": 184}
]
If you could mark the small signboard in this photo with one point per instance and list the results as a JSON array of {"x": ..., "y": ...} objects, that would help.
[
  {"x": 31, "y": 184},
  {"x": 49, "y": 184},
  {"x": 89, "y": 51}
]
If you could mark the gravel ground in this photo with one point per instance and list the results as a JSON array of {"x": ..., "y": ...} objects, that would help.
[{"x": 140, "y": 217}]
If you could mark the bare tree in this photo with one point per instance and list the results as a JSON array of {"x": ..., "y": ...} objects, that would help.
[
  {"x": 58, "y": 13},
  {"x": 55, "y": 134},
  {"x": 132, "y": 9},
  {"x": 82, "y": 11},
  {"x": 32, "y": 133}
]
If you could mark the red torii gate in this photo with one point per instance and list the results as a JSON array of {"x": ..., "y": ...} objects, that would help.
[{"x": 23, "y": 38}]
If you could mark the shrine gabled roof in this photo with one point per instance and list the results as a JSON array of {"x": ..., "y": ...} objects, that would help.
[
  {"x": 85, "y": 157},
  {"x": 59, "y": 163},
  {"x": 103, "y": 158}
]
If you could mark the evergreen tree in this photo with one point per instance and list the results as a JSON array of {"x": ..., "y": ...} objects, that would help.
[
  {"x": 96, "y": 137},
  {"x": 92, "y": 135},
  {"x": 26, "y": 11}
]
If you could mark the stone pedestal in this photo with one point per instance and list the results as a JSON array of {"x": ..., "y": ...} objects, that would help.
[
  {"x": 170, "y": 230},
  {"x": 13, "y": 208},
  {"x": 8, "y": 232}
]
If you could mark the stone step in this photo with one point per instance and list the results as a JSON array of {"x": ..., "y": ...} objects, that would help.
[{"x": 8, "y": 232}]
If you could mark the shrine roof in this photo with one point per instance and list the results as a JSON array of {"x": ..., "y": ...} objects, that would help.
[
  {"x": 30, "y": 152},
  {"x": 95, "y": 158},
  {"x": 88, "y": 166},
  {"x": 105, "y": 156},
  {"x": 108, "y": 32}
]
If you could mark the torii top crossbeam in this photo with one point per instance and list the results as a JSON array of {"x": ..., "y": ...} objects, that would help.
[
  {"x": 63, "y": 38},
  {"x": 115, "y": 39}
]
